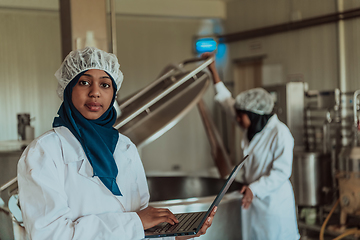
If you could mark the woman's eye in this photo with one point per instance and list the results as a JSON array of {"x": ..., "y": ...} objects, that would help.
[
  {"x": 83, "y": 83},
  {"x": 105, "y": 85}
]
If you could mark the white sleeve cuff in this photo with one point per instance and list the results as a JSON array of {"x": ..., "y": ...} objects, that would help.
[
  {"x": 138, "y": 226},
  {"x": 222, "y": 92}
]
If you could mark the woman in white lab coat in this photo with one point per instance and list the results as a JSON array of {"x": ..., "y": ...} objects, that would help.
[
  {"x": 82, "y": 179},
  {"x": 268, "y": 211}
]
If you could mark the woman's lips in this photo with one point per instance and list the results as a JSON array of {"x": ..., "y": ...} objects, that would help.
[{"x": 93, "y": 106}]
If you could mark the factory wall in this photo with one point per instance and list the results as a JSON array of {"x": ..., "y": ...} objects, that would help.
[
  {"x": 30, "y": 53},
  {"x": 29, "y": 56},
  {"x": 145, "y": 47},
  {"x": 309, "y": 54}
]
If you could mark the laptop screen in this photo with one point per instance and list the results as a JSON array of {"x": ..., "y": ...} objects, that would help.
[{"x": 225, "y": 187}]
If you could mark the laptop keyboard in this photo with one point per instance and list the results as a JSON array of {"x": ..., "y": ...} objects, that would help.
[{"x": 186, "y": 221}]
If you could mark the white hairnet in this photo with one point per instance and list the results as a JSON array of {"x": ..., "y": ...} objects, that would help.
[
  {"x": 256, "y": 100},
  {"x": 88, "y": 58}
]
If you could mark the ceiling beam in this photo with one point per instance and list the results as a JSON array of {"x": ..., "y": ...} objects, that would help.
[
  {"x": 289, "y": 26},
  {"x": 156, "y": 8},
  {"x": 172, "y": 8},
  {"x": 32, "y": 4}
]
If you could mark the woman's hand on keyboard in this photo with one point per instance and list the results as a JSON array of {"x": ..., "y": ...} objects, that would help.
[
  {"x": 204, "y": 227},
  {"x": 151, "y": 216}
]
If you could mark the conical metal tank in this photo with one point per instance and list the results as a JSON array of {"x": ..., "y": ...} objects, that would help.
[{"x": 153, "y": 110}]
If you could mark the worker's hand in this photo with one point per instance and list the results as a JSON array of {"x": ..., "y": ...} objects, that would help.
[
  {"x": 248, "y": 197},
  {"x": 204, "y": 227},
  {"x": 151, "y": 216},
  {"x": 206, "y": 55},
  {"x": 212, "y": 67}
]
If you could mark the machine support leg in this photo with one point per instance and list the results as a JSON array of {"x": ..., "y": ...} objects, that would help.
[{"x": 218, "y": 151}]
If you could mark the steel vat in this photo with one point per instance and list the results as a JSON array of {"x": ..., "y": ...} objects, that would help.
[
  {"x": 311, "y": 176},
  {"x": 193, "y": 194}
]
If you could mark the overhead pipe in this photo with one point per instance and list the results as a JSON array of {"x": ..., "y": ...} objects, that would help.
[
  {"x": 341, "y": 48},
  {"x": 291, "y": 26},
  {"x": 113, "y": 27}
]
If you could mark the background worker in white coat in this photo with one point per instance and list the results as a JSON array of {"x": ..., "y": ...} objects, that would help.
[
  {"x": 82, "y": 179},
  {"x": 268, "y": 211}
]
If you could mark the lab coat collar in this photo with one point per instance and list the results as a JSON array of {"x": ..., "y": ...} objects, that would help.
[
  {"x": 269, "y": 125},
  {"x": 271, "y": 122},
  {"x": 74, "y": 151}
]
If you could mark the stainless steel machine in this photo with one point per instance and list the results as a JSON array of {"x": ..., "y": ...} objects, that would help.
[
  {"x": 25, "y": 130},
  {"x": 308, "y": 178},
  {"x": 348, "y": 174},
  {"x": 289, "y": 101},
  {"x": 326, "y": 164}
]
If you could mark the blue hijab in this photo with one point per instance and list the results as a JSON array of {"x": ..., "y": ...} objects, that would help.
[
  {"x": 97, "y": 137},
  {"x": 257, "y": 122}
]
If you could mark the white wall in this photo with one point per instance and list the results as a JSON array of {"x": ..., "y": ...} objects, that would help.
[
  {"x": 30, "y": 51},
  {"x": 29, "y": 56},
  {"x": 145, "y": 47},
  {"x": 309, "y": 54},
  {"x": 246, "y": 15}
]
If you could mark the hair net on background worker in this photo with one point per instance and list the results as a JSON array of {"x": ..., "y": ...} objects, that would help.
[
  {"x": 88, "y": 58},
  {"x": 256, "y": 100}
]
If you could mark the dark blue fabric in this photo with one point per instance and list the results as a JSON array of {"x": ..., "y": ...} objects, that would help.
[
  {"x": 97, "y": 137},
  {"x": 257, "y": 122}
]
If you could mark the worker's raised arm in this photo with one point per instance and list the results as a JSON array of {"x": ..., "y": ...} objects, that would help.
[{"x": 212, "y": 67}]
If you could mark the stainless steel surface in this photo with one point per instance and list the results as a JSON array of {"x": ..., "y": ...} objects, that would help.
[
  {"x": 8, "y": 228},
  {"x": 338, "y": 118},
  {"x": 328, "y": 126},
  {"x": 10, "y": 152},
  {"x": 328, "y": 99},
  {"x": 7, "y": 185},
  {"x": 356, "y": 119},
  {"x": 349, "y": 156},
  {"x": 8, "y": 163},
  {"x": 155, "y": 109},
  {"x": 289, "y": 106},
  {"x": 349, "y": 159},
  {"x": 170, "y": 188},
  {"x": 356, "y": 94},
  {"x": 179, "y": 194},
  {"x": 191, "y": 194},
  {"x": 311, "y": 175},
  {"x": 218, "y": 150},
  {"x": 348, "y": 170},
  {"x": 167, "y": 86},
  {"x": 23, "y": 120},
  {"x": 6, "y": 191}
]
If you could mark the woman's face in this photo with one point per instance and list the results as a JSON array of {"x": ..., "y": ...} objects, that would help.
[
  {"x": 243, "y": 120},
  {"x": 93, "y": 93}
]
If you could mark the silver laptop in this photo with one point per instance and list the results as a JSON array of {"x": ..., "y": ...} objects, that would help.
[{"x": 191, "y": 223}]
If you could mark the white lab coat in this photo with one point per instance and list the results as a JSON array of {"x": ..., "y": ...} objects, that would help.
[
  {"x": 272, "y": 214},
  {"x": 60, "y": 199}
]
